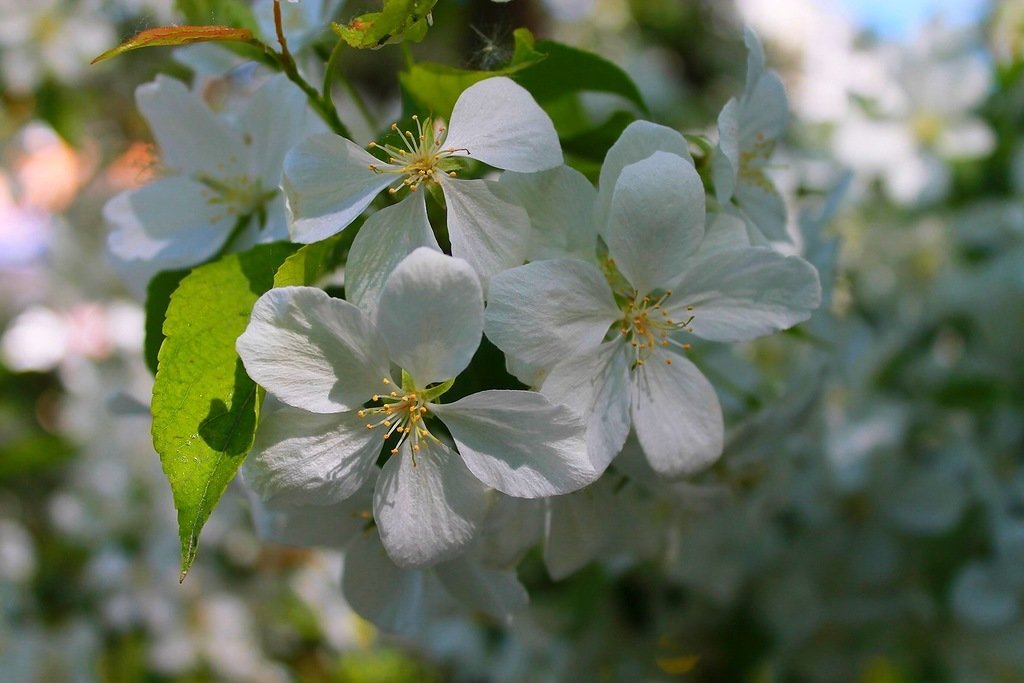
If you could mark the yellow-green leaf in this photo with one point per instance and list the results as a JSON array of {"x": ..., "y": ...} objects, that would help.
[
  {"x": 398, "y": 21},
  {"x": 205, "y": 407}
]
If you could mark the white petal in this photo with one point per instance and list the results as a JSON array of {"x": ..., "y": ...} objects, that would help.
[
  {"x": 169, "y": 222},
  {"x": 726, "y": 160},
  {"x": 307, "y": 458},
  {"x": 543, "y": 312},
  {"x": 764, "y": 115},
  {"x": 191, "y": 137},
  {"x": 386, "y": 238},
  {"x": 500, "y": 124},
  {"x": 392, "y": 599},
  {"x": 485, "y": 225},
  {"x": 574, "y": 533},
  {"x": 275, "y": 229},
  {"x": 497, "y": 593},
  {"x": 637, "y": 142},
  {"x": 431, "y": 315},
  {"x": 657, "y": 219},
  {"x": 966, "y": 140},
  {"x": 328, "y": 182},
  {"x": 677, "y": 417},
  {"x": 560, "y": 204},
  {"x": 596, "y": 385},
  {"x": 329, "y": 526},
  {"x": 428, "y": 509},
  {"x": 872, "y": 145},
  {"x": 519, "y": 443},
  {"x": 313, "y": 352},
  {"x": 765, "y": 207},
  {"x": 740, "y": 294},
  {"x": 274, "y": 120},
  {"x": 513, "y": 526},
  {"x": 918, "y": 179},
  {"x": 725, "y": 230},
  {"x": 755, "y": 60}
]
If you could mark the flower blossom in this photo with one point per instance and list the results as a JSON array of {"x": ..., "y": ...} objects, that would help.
[
  {"x": 749, "y": 129},
  {"x": 330, "y": 362},
  {"x": 329, "y": 181},
  {"x": 916, "y": 122},
  {"x": 607, "y": 336},
  {"x": 223, "y": 191}
]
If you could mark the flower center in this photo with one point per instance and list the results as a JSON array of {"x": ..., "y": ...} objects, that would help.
[
  {"x": 421, "y": 158},
  {"x": 401, "y": 413},
  {"x": 646, "y": 325},
  {"x": 927, "y": 128},
  {"x": 239, "y": 196},
  {"x": 753, "y": 160}
]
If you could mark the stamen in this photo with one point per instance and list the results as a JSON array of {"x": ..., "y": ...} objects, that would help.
[
  {"x": 402, "y": 415},
  {"x": 647, "y": 325}
]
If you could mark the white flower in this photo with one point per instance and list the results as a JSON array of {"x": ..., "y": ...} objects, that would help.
[
  {"x": 224, "y": 191},
  {"x": 400, "y": 600},
  {"x": 749, "y": 129},
  {"x": 331, "y": 363},
  {"x": 329, "y": 181},
  {"x": 610, "y": 337},
  {"x": 49, "y": 38},
  {"x": 917, "y": 122},
  {"x": 560, "y": 205}
]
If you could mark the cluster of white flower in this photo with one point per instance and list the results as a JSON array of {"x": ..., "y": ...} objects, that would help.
[{"x": 592, "y": 293}]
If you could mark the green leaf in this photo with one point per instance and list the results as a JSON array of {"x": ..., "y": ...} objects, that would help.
[
  {"x": 552, "y": 72},
  {"x": 399, "y": 21},
  {"x": 235, "y": 13},
  {"x": 158, "y": 297},
  {"x": 436, "y": 87},
  {"x": 594, "y": 143},
  {"x": 178, "y": 35},
  {"x": 313, "y": 261},
  {"x": 571, "y": 70},
  {"x": 205, "y": 407}
]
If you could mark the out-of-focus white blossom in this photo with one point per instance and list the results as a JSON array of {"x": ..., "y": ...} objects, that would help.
[{"x": 50, "y": 39}]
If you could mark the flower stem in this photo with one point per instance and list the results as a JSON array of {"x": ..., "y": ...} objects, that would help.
[{"x": 321, "y": 103}]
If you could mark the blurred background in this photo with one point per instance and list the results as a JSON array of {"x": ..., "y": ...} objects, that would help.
[{"x": 865, "y": 524}]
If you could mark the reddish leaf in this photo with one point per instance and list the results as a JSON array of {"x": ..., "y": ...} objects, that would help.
[{"x": 178, "y": 35}]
